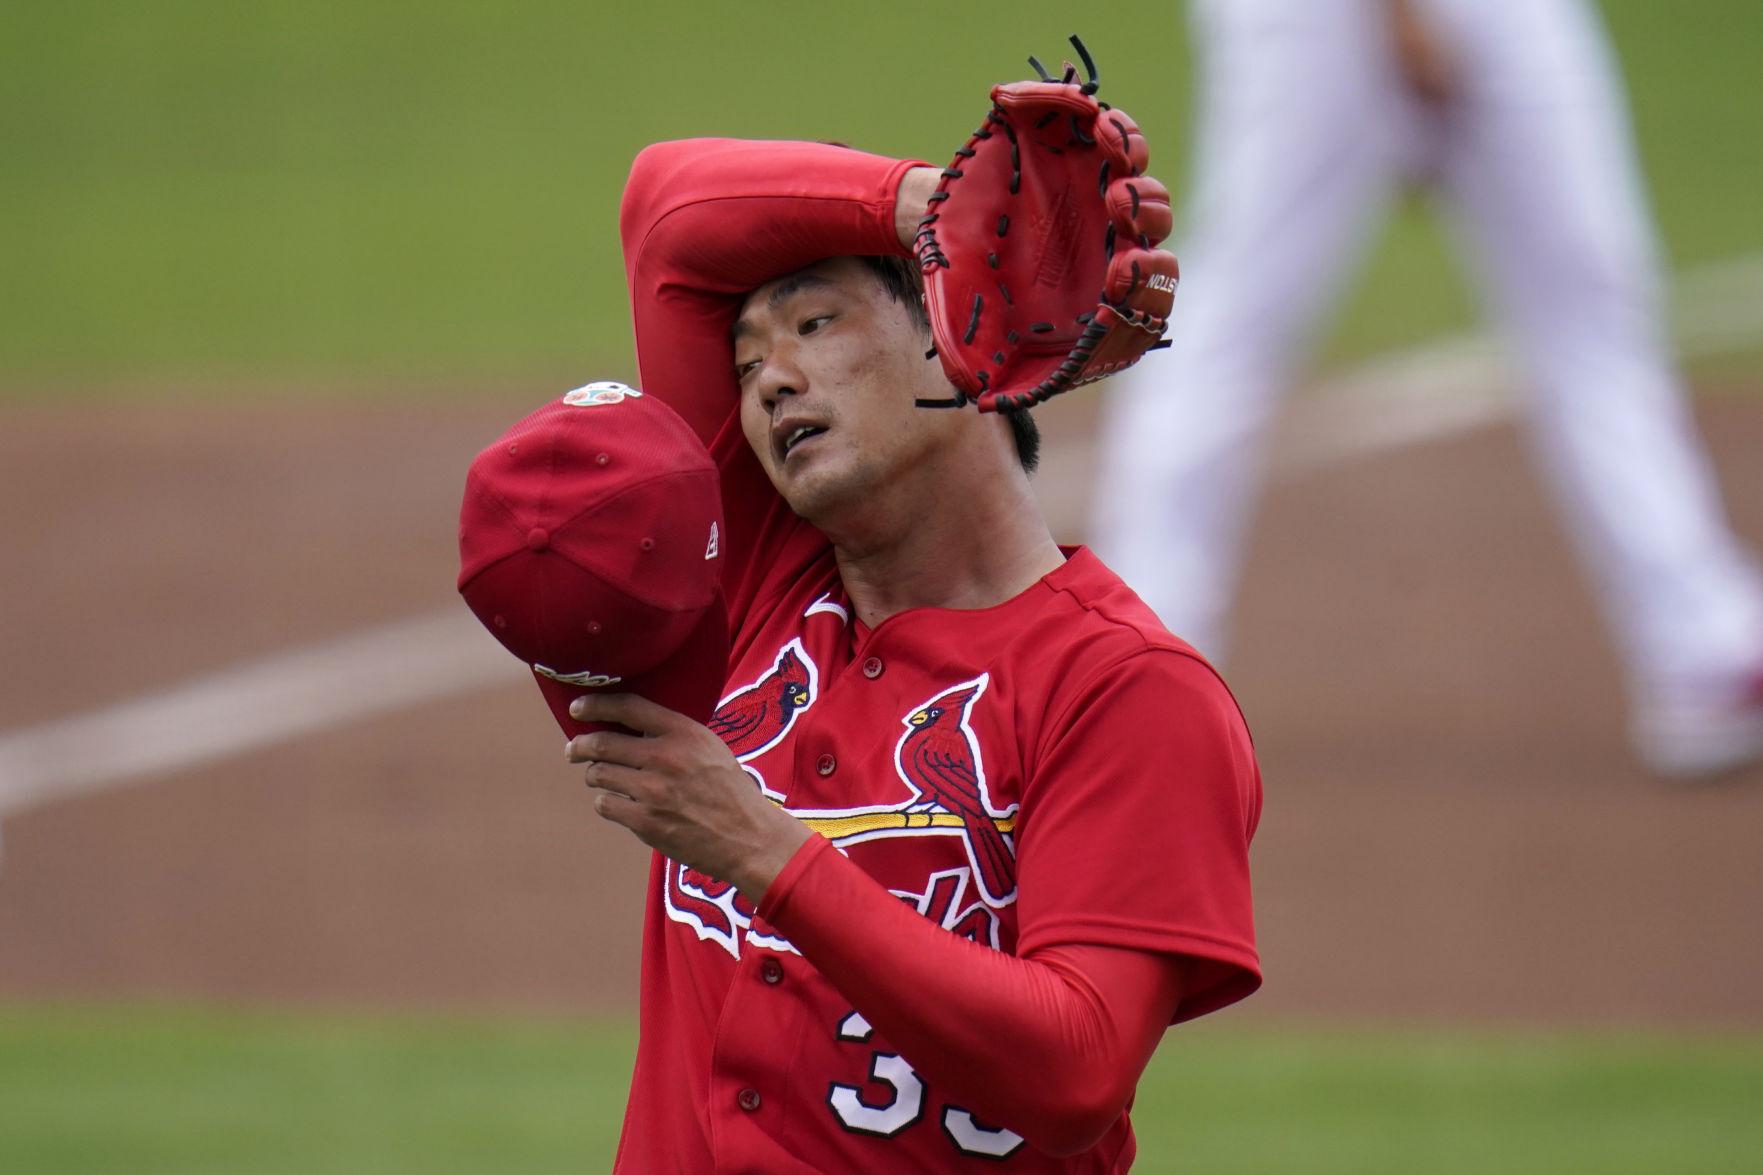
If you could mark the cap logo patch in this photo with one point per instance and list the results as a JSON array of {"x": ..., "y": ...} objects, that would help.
[
  {"x": 602, "y": 392},
  {"x": 711, "y": 550},
  {"x": 585, "y": 678}
]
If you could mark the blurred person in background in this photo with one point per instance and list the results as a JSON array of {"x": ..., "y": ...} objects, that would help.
[{"x": 1313, "y": 115}]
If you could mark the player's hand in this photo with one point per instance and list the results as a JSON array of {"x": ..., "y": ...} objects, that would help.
[
  {"x": 1427, "y": 68},
  {"x": 679, "y": 789}
]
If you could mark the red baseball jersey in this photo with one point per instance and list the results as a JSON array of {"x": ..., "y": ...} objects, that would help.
[{"x": 1056, "y": 769}]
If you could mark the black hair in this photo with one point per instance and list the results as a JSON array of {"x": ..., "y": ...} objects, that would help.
[{"x": 905, "y": 285}]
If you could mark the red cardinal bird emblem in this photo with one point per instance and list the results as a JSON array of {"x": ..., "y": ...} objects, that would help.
[
  {"x": 755, "y": 717},
  {"x": 939, "y": 758}
]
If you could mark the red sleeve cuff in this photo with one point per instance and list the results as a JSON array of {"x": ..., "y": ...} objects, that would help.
[{"x": 777, "y": 894}]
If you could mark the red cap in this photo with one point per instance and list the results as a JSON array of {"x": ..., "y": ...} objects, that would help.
[{"x": 588, "y": 545}]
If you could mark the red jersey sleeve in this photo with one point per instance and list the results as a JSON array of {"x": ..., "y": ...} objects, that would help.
[
  {"x": 1050, "y": 1045},
  {"x": 1133, "y": 909},
  {"x": 704, "y": 222},
  {"x": 1136, "y": 818}
]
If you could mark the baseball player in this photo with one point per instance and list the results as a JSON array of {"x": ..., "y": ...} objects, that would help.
[
  {"x": 969, "y": 829},
  {"x": 1311, "y": 116}
]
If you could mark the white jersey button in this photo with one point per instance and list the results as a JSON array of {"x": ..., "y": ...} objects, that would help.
[{"x": 873, "y": 667}]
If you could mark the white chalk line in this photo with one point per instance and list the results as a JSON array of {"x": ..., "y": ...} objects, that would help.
[
  {"x": 1441, "y": 389},
  {"x": 253, "y": 705}
]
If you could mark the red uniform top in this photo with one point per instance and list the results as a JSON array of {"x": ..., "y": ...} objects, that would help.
[{"x": 1002, "y": 795}]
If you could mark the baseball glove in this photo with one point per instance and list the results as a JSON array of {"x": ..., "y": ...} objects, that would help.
[{"x": 1041, "y": 271}]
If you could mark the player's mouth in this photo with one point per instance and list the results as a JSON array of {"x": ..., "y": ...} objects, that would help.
[{"x": 789, "y": 436}]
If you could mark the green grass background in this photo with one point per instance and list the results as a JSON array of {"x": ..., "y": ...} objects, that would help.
[
  {"x": 86, "y": 1091},
  {"x": 307, "y": 194},
  {"x": 312, "y": 192}
]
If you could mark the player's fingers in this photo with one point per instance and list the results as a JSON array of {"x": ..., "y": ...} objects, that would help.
[
  {"x": 608, "y": 746},
  {"x": 618, "y": 808},
  {"x": 1139, "y": 205},
  {"x": 630, "y": 784},
  {"x": 1122, "y": 139},
  {"x": 627, "y": 710}
]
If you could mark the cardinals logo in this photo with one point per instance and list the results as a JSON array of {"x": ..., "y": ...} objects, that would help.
[
  {"x": 755, "y": 717},
  {"x": 717, "y": 912},
  {"x": 943, "y": 902},
  {"x": 939, "y": 759}
]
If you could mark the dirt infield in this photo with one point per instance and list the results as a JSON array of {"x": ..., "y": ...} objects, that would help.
[{"x": 1453, "y": 829}]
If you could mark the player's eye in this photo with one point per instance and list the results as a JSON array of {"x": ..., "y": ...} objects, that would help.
[
  {"x": 745, "y": 368},
  {"x": 813, "y": 323}
]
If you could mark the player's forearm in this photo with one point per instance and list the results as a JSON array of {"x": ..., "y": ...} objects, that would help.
[
  {"x": 704, "y": 221},
  {"x": 727, "y": 215},
  {"x": 1050, "y": 1046}
]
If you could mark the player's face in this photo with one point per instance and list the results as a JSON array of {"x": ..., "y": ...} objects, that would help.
[{"x": 829, "y": 366}]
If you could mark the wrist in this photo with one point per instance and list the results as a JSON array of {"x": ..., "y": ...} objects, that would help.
[
  {"x": 912, "y": 201},
  {"x": 783, "y": 839}
]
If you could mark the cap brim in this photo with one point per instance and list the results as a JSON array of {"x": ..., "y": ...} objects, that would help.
[{"x": 689, "y": 681}]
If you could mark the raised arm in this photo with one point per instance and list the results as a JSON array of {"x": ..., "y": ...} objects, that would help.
[{"x": 704, "y": 221}]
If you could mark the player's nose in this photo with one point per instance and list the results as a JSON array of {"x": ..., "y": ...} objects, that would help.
[{"x": 780, "y": 376}]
